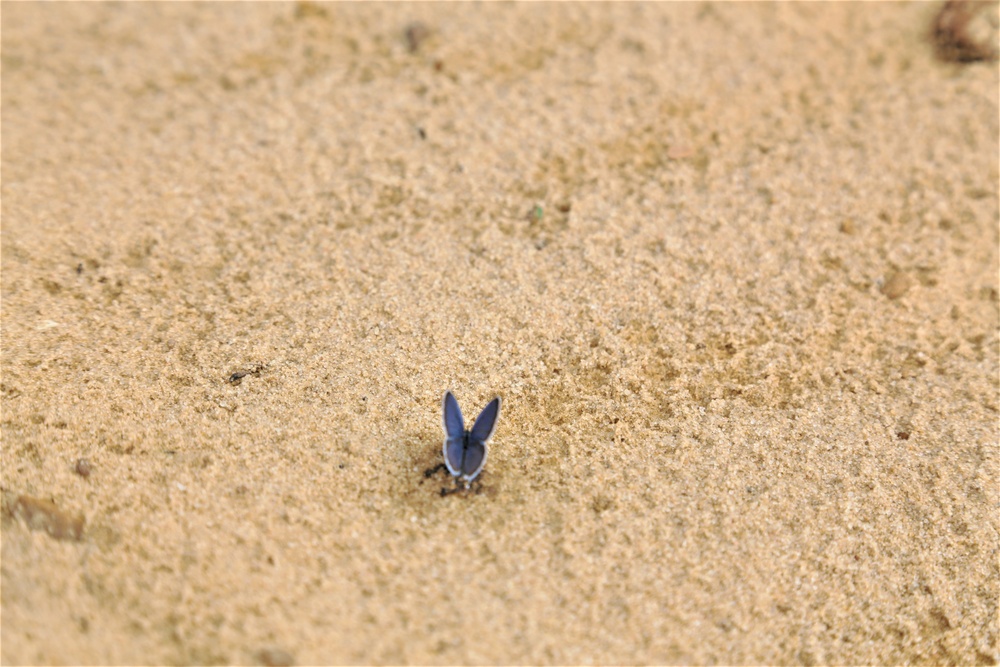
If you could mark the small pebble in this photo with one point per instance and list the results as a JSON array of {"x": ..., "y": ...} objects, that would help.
[
  {"x": 416, "y": 33},
  {"x": 896, "y": 285},
  {"x": 82, "y": 468}
]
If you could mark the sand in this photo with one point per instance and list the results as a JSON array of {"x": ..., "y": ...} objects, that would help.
[{"x": 733, "y": 270}]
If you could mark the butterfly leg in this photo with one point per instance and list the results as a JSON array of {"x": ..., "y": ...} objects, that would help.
[{"x": 431, "y": 471}]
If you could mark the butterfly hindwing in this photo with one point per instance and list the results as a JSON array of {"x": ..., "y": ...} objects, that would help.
[
  {"x": 474, "y": 459},
  {"x": 454, "y": 455},
  {"x": 486, "y": 422}
]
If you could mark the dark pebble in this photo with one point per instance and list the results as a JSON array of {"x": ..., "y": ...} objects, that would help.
[
  {"x": 82, "y": 468},
  {"x": 416, "y": 33}
]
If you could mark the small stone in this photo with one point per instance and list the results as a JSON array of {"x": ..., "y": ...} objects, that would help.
[
  {"x": 82, "y": 468},
  {"x": 416, "y": 33},
  {"x": 896, "y": 285}
]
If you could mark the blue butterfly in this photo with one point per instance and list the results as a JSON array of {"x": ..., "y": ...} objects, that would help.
[{"x": 465, "y": 451}]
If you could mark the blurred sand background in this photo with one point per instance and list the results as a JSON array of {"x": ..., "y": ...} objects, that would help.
[{"x": 733, "y": 270}]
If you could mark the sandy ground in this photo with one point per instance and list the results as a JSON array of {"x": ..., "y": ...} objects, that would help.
[{"x": 732, "y": 269}]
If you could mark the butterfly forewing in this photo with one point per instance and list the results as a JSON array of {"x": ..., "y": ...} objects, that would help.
[
  {"x": 454, "y": 425},
  {"x": 486, "y": 422}
]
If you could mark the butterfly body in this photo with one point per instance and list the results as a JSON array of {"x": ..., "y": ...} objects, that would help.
[{"x": 465, "y": 450}]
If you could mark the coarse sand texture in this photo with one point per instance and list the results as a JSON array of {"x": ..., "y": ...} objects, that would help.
[{"x": 732, "y": 270}]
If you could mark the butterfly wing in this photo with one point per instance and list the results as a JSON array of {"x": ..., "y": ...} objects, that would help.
[
  {"x": 454, "y": 435},
  {"x": 473, "y": 459},
  {"x": 486, "y": 422},
  {"x": 454, "y": 455},
  {"x": 465, "y": 452},
  {"x": 474, "y": 451},
  {"x": 454, "y": 425}
]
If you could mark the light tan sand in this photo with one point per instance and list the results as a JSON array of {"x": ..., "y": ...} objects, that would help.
[{"x": 733, "y": 270}]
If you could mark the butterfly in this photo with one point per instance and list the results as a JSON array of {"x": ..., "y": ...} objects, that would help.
[{"x": 465, "y": 450}]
